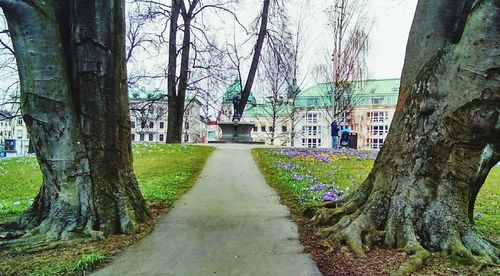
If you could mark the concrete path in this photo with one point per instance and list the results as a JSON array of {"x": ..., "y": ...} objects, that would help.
[{"x": 230, "y": 223}]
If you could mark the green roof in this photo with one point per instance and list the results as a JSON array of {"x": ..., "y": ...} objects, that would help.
[
  {"x": 267, "y": 110},
  {"x": 235, "y": 89},
  {"x": 386, "y": 90}
]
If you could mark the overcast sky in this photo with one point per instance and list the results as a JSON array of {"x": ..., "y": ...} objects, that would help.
[{"x": 388, "y": 36}]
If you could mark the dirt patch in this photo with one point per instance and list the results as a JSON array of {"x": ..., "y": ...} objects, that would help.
[{"x": 331, "y": 260}]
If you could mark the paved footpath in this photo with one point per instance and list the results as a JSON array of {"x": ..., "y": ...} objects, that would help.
[{"x": 230, "y": 223}]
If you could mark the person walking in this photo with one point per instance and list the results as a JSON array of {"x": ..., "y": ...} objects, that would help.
[{"x": 334, "y": 129}]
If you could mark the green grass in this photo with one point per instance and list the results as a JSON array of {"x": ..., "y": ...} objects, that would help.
[
  {"x": 488, "y": 204},
  {"x": 20, "y": 180},
  {"x": 344, "y": 173},
  {"x": 165, "y": 173},
  {"x": 348, "y": 173}
]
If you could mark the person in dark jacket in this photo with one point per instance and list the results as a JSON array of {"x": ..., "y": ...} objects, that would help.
[{"x": 334, "y": 130}]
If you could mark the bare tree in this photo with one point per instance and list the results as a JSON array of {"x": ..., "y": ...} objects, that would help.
[
  {"x": 194, "y": 60},
  {"x": 347, "y": 70}
]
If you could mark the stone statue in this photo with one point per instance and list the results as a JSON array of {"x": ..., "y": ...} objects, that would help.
[{"x": 236, "y": 103}]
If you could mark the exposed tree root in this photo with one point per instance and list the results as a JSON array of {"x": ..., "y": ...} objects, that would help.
[
  {"x": 359, "y": 232},
  {"x": 418, "y": 255},
  {"x": 32, "y": 243}
]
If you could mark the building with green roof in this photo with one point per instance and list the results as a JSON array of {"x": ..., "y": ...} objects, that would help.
[
  {"x": 235, "y": 89},
  {"x": 304, "y": 121}
]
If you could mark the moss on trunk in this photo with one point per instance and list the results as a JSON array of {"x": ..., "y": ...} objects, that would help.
[
  {"x": 442, "y": 144},
  {"x": 75, "y": 104}
]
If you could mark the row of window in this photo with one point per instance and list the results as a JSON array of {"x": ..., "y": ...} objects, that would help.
[
  {"x": 311, "y": 142},
  {"x": 9, "y": 123},
  {"x": 152, "y": 125},
  {"x": 311, "y": 130},
  {"x": 377, "y": 116},
  {"x": 377, "y": 130},
  {"x": 270, "y": 129},
  {"x": 161, "y": 137},
  {"x": 19, "y": 134},
  {"x": 375, "y": 143}
]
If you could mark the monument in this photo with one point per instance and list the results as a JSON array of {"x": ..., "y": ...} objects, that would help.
[{"x": 235, "y": 131}]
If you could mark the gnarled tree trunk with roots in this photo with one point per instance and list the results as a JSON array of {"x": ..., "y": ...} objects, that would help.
[
  {"x": 74, "y": 99},
  {"x": 444, "y": 139}
]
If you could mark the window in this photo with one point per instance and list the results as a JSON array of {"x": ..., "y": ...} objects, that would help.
[
  {"x": 263, "y": 128},
  {"x": 187, "y": 111},
  {"x": 151, "y": 136},
  {"x": 143, "y": 124},
  {"x": 141, "y": 137},
  {"x": 19, "y": 134},
  {"x": 284, "y": 129},
  {"x": 162, "y": 125},
  {"x": 377, "y": 116},
  {"x": 311, "y": 117},
  {"x": 311, "y": 130},
  {"x": 161, "y": 137},
  {"x": 20, "y": 121},
  {"x": 132, "y": 124},
  {"x": 151, "y": 124},
  {"x": 311, "y": 142},
  {"x": 186, "y": 137},
  {"x": 377, "y": 100},
  {"x": 255, "y": 129},
  {"x": 186, "y": 125},
  {"x": 378, "y": 130},
  {"x": 345, "y": 117},
  {"x": 132, "y": 137},
  {"x": 375, "y": 144},
  {"x": 161, "y": 110},
  {"x": 271, "y": 129}
]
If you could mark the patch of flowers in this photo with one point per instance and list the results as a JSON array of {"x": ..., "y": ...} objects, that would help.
[
  {"x": 320, "y": 192},
  {"x": 325, "y": 155},
  {"x": 301, "y": 179}
]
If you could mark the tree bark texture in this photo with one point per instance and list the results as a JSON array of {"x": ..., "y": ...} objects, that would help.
[
  {"x": 174, "y": 130},
  {"x": 444, "y": 139},
  {"x": 75, "y": 103}
]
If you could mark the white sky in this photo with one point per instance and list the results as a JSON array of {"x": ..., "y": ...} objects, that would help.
[{"x": 388, "y": 36}]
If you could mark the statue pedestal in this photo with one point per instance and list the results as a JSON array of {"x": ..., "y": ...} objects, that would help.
[{"x": 236, "y": 132}]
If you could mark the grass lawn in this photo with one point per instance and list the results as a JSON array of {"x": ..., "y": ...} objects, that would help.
[
  {"x": 306, "y": 177},
  {"x": 165, "y": 173}
]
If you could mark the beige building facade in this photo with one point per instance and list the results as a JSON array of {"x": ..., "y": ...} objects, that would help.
[{"x": 305, "y": 121}]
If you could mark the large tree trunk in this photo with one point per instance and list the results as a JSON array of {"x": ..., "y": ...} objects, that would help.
[
  {"x": 75, "y": 104},
  {"x": 177, "y": 95},
  {"x": 444, "y": 140},
  {"x": 99, "y": 79},
  {"x": 174, "y": 130}
]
